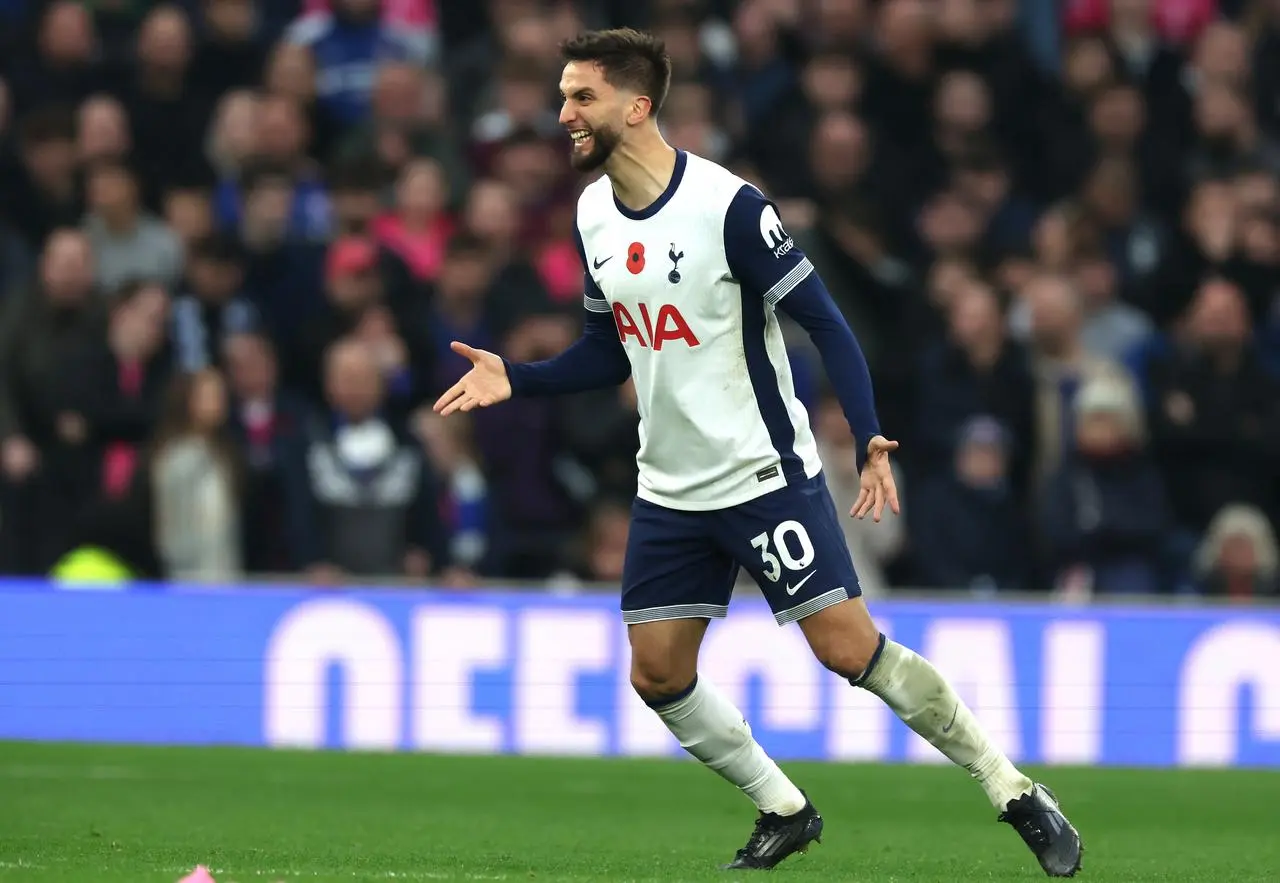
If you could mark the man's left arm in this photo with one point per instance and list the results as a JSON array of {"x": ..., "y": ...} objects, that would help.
[{"x": 766, "y": 261}]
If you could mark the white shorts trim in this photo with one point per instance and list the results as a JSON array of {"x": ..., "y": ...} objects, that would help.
[
  {"x": 812, "y": 606},
  {"x": 675, "y": 611}
]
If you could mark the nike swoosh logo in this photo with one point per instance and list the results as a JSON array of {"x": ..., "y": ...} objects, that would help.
[
  {"x": 597, "y": 263},
  {"x": 947, "y": 728},
  {"x": 791, "y": 590}
]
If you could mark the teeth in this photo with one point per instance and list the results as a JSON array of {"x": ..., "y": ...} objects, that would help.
[{"x": 579, "y": 136}]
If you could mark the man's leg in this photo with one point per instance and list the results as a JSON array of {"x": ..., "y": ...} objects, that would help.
[
  {"x": 847, "y": 642},
  {"x": 664, "y": 672},
  {"x": 676, "y": 579}
]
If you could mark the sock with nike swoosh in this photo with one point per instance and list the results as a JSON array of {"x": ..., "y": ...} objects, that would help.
[{"x": 919, "y": 694}]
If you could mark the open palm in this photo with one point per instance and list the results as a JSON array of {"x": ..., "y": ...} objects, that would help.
[
  {"x": 485, "y": 384},
  {"x": 878, "y": 487}
]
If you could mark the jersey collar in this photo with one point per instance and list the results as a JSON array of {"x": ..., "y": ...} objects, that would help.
[{"x": 656, "y": 206}]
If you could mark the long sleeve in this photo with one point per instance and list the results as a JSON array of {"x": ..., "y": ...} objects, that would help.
[
  {"x": 766, "y": 261},
  {"x": 810, "y": 304},
  {"x": 594, "y": 361}
]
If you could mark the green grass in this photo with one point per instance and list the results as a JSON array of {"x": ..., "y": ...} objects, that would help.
[{"x": 92, "y": 814}]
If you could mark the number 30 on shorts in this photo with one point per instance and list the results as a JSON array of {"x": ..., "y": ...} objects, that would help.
[{"x": 773, "y": 564}]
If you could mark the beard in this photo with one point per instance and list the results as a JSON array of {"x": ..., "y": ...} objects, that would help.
[{"x": 603, "y": 143}]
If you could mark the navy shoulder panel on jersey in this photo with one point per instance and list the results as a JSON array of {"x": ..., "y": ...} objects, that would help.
[{"x": 762, "y": 256}]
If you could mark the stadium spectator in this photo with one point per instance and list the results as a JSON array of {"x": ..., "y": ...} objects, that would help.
[
  {"x": 978, "y": 371},
  {"x": 463, "y": 490},
  {"x": 42, "y": 190},
  {"x": 1113, "y": 329},
  {"x": 1104, "y": 508},
  {"x": 228, "y": 56},
  {"x": 168, "y": 117},
  {"x": 355, "y": 196},
  {"x": 128, "y": 242},
  {"x": 1215, "y": 412},
  {"x": 195, "y": 475},
  {"x": 287, "y": 271},
  {"x": 1238, "y": 558},
  {"x": 409, "y": 118},
  {"x": 267, "y": 423},
  {"x": 64, "y": 64},
  {"x": 120, "y": 384},
  {"x": 419, "y": 227},
  {"x": 44, "y": 335},
  {"x": 280, "y": 142},
  {"x": 102, "y": 130},
  {"x": 361, "y": 497},
  {"x": 349, "y": 40},
  {"x": 360, "y": 302},
  {"x": 213, "y": 306},
  {"x": 291, "y": 74},
  {"x": 1061, "y": 365},
  {"x": 968, "y": 521}
]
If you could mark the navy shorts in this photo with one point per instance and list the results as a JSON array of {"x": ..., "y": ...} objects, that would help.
[{"x": 683, "y": 565}]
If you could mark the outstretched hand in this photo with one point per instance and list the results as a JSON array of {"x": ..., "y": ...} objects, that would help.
[
  {"x": 485, "y": 384},
  {"x": 878, "y": 487}
]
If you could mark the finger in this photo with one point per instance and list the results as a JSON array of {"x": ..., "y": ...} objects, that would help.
[
  {"x": 865, "y": 501},
  {"x": 458, "y": 403},
  {"x": 857, "y": 504},
  {"x": 879, "y": 508},
  {"x": 449, "y": 396},
  {"x": 893, "y": 497},
  {"x": 465, "y": 351}
]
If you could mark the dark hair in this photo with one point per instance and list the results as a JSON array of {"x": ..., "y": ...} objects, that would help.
[
  {"x": 629, "y": 59},
  {"x": 47, "y": 125},
  {"x": 465, "y": 244},
  {"x": 111, "y": 166},
  {"x": 175, "y": 423},
  {"x": 216, "y": 248},
  {"x": 264, "y": 173},
  {"x": 355, "y": 176}
]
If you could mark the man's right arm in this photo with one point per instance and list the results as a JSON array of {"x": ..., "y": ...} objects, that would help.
[{"x": 594, "y": 361}]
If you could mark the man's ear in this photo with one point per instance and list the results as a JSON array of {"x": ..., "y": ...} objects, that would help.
[{"x": 641, "y": 108}]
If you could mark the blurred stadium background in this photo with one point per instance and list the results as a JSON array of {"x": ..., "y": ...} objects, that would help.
[{"x": 236, "y": 237}]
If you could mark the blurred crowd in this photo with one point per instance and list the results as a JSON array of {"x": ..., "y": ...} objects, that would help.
[{"x": 237, "y": 237}]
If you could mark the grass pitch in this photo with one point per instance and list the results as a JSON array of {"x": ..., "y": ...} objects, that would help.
[{"x": 93, "y": 814}]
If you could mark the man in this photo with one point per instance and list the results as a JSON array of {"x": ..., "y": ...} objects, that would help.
[{"x": 685, "y": 264}]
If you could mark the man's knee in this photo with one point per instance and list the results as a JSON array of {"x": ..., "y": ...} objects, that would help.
[
  {"x": 843, "y": 638},
  {"x": 660, "y": 683},
  {"x": 664, "y": 658}
]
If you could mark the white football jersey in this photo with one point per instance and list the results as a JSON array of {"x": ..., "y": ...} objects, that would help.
[{"x": 692, "y": 282}]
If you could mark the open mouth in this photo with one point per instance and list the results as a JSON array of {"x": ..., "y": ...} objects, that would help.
[{"x": 581, "y": 137}]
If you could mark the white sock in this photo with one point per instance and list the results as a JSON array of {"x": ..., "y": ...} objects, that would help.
[
  {"x": 918, "y": 694},
  {"x": 710, "y": 728}
]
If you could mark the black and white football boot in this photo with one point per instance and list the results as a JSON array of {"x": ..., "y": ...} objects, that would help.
[
  {"x": 775, "y": 837},
  {"x": 1046, "y": 831}
]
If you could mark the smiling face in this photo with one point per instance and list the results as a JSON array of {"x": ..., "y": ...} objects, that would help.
[
  {"x": 613, "y": 85},
  {"x": 594, "y": 112}
]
